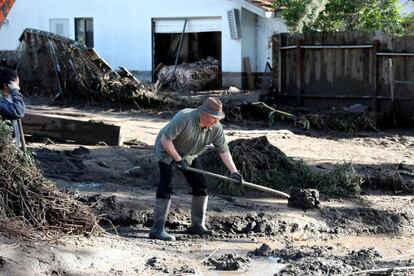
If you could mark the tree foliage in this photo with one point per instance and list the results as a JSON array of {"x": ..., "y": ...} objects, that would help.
[
  {"x": 366, "y": 15},
  {"x": 298, "y": 13},
  {"x": 342, "y": 15},
  {"x": 408, "y": 24}
]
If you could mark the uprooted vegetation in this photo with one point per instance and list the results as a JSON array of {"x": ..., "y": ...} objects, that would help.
[
  {"x": 336, "y": 120},
  {"x": 344, "y": 121},
  {"x": 260, "y": 162},
  {"x": 32, "y": 206}
]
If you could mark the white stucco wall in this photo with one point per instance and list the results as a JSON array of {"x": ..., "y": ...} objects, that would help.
[
  {"x": 122, "y": 29},
  {"x": 265, "y": 29},
  {"x": 248, "y": 37}
]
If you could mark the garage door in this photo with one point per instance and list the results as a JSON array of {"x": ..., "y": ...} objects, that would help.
[{"x": 194, "y": 25}]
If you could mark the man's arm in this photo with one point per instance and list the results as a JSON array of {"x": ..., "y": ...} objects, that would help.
[
  {"x": 16, "y": 108},
  {"x": 170, "y": 148},
  {"x": 228, "y": 161}
]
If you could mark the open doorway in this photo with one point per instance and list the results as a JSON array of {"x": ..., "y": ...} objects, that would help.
[
  {"x": 201, "y": 42},
  {"x": 195, "y": 46}
]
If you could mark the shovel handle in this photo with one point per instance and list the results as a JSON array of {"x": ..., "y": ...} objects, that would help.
[{"x": 245, "y": 183}]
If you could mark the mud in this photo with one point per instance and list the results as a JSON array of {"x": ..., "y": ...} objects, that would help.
[
  {"x": 114, "y": 212},
  {"x": 160, "y": 265},
  {"x": 304, "y": 198},
  {"x": 228, "y": 262},
  {"x": 325, "y": 261},
  {"x": 262, "y": 251},
  {"x": 119, "y": 183},
  {"x": 332, "y": 222}
]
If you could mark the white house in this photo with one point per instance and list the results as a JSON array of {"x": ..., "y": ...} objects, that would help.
[{"x": 140, "y": 34}]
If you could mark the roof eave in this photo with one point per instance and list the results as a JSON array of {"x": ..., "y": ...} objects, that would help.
[{"x": 253, "y": 8}]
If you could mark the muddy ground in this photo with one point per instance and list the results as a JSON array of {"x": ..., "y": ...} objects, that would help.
[{"x": 253, "y": 235}]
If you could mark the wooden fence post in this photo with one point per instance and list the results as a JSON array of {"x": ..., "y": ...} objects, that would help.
[
  {"x": 276, "y": 78},
  {"x": 299, "y": 72},
  {"x": 375, "y": 46}
]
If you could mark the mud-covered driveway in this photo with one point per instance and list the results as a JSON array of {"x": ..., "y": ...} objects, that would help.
[{"x": 253, "y": 235}]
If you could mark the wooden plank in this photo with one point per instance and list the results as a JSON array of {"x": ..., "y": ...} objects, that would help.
[
  {"x": 248, "y": 69},
  {"x": 64, "y": 128},
  {"x": 128, "y": 74}
]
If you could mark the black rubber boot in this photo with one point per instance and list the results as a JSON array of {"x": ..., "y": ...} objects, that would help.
[
  {"x": 161, "y": 209},
  {"x": 198, "y": 216}
]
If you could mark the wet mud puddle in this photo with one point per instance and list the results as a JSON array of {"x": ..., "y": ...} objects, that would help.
[{"x": 229, "y": 257}]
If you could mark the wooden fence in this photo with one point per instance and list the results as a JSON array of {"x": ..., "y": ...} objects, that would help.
[{"x": 322, "y": 70}]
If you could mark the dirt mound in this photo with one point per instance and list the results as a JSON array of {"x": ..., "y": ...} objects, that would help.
[
  {"x": 29, "y": 202},
  {"x": 253, "y": 157},
  {"x": 262, "y": 163}
]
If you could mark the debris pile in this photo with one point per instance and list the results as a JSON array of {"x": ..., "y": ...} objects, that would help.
[
  {"x": 399, "y": 180},
  {"x": 62, "y": 69},
  {"x": 338, "y": 120},
  {"x": 29, "y": 202},
  {"x": 343, "y": 121},
  {"x": 190, "y": 76},
  {"x": 262, "y": 163}
]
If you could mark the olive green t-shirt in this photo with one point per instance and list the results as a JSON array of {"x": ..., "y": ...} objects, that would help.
[{"x": 188, "y": 137}]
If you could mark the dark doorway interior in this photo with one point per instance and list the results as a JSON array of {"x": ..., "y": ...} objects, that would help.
[{"x": 196, "y": 46}]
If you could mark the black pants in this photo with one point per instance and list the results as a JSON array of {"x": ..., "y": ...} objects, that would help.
[{"x": 197, "y": 181}]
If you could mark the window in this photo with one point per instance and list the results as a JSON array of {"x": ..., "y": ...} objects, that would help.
[
  {"x": 59, "y": 26},
  {"x": 84, "y": 31}
]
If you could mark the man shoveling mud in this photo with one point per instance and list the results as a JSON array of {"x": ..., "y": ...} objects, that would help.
[{"x": 177, "y": 146}]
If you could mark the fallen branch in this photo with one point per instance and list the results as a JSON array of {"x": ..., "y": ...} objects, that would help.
[{"x": 32, "y": 207}]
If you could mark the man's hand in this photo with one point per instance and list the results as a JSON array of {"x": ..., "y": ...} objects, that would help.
[
  {"x": 181, "y": 165},
  {"x": 13, "y": 85},
  {"x": 237, "y": 176}
]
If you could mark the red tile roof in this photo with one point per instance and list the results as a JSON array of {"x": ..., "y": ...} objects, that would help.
[{"x": 264, "y": 4}]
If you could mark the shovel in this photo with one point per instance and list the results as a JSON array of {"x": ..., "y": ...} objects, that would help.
[{"x": 248, "y": 184}]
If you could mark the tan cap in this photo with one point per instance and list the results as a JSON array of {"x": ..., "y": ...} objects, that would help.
[{"x": 213, "y": 107}]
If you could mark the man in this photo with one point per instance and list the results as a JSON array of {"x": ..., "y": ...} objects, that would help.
[
  {"x": 177, "y": 145},
  {"x": 12, "y": 106}
]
